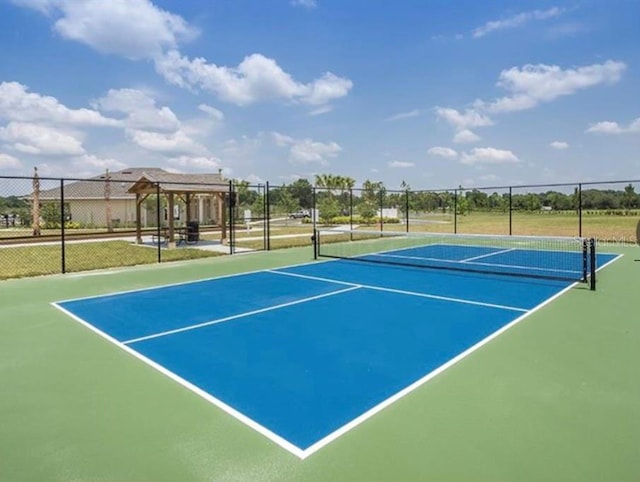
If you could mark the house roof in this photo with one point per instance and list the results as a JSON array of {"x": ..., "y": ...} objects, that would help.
[
  {"x": 179, "y": 183},
  {"x": 121, "y": 182}
]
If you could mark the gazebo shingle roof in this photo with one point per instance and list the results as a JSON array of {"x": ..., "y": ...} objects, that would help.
[{"x": 122, "y": 181}]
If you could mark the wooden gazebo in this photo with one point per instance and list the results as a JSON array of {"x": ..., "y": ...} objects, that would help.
[{"x": 185, "y": 187}]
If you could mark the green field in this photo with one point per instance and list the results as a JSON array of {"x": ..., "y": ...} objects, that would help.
[{"x": 555, "y": 398}]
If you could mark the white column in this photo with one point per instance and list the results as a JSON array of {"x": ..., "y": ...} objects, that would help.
[{"x": 200, "y": 209}]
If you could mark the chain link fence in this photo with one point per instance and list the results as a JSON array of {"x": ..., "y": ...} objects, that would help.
[
  {"x": 53, "y": 225},
  {"x": 606, "y": 211}
]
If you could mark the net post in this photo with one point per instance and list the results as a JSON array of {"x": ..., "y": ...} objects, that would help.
[
  {"x": 593, "y": 261},
  {"x": 585, "y": 260}
]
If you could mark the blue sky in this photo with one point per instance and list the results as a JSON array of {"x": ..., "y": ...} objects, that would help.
[{"x": 434, "y": 93}]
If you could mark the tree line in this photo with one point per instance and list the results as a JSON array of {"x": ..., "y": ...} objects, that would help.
[{"x": 335, "y": 195}]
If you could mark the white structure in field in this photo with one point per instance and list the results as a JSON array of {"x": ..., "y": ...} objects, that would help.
[{"x": 389, "y": 213}]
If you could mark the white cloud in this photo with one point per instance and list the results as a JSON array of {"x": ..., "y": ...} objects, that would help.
[
  {"x": 605, "y": 127},
  {"x": 461, "y": 121},
  {"x": 516, "y": 21},
  {"x": 304, "y": 3},
  {"x": 17, "y": 104},
  {"x": 282, "y": 140},
  {"x": 488, "y": 177},
  {"x": 533, "y": 84},
  {"x": 41, "y": 140},
  {"x": 488, "y": 155},
  {"x": 135, "y": 29},
  {"x": 445, "y": 152},
  {"x": 323, "y": 109},
  {"x": 560, "y": 145},
  {"x": 608, "y": 127},
  {"x": 325, "y": 89},
  {"x": 403, "y": 115},
  {"x": 400, "y": 164},
  {"x": 9, "y": 162},
  {"x": 140, "y": 108},
  {"x": 175, "y": 143},
  {"x": 200, "y": 163},
  {"x": 212, "y": 111},
  {"x": 244, "y": 148},
  {"x": 304, "y": 151},
  {"x": 255, "y": 179},
  {"x": 89, "y": 164},
  {"x": 256, "y": 79},
  {"x": 307, "y": 150},
  {"x": 465, "y": 136}
]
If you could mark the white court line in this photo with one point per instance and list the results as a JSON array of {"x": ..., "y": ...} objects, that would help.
[
  {"x": 285, "y": 444},
  {"x": 181, "y": 283},
  {"x": 385, "y": 403},
  {"x": 466, "y": 260},
  {"x": 241, "y": 315},
  {"x": 403, "y": 292}
]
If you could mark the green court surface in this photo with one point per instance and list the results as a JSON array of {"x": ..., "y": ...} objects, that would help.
[{"x": 554, "y": 398}]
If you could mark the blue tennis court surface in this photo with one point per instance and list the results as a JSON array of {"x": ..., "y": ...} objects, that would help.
[{"x": 303, "y": 353}]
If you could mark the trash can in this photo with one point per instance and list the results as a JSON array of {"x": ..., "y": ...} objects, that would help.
[{"x": 193, "y": 232}]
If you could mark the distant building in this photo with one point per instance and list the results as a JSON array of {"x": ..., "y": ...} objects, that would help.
[{"x": 85, "y": 201}]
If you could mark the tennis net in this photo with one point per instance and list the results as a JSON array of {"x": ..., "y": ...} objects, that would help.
[{"x": 556, "y": 258}]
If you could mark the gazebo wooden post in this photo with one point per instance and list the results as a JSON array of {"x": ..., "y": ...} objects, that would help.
[{"x": 188, "y": 207}]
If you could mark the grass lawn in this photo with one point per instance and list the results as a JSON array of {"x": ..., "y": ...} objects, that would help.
[
  {"x": 600, "y": 226},
  {"x": 23, "y": 261}
]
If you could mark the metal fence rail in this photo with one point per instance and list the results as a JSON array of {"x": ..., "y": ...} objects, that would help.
[
  {"x": 58, "y": 225},
  {"x": 607, "y": 211}
]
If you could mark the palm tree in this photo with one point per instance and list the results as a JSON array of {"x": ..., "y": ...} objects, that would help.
[{"x": 334, "y": 182}]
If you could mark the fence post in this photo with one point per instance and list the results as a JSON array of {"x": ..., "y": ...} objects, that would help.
[
  {"x": 406, "y": 210},
  {"x": 351, "y": 214},
  {"x": 314, "y": 211},
  {"x": 62, "y": 233},
  {"x": 381, "y": 202},
  {"x": 455, "y": 211},
  {"x": 510, "y": 210},
  {"x": 158, "y": 218},
  {"x": 231, "y": 220},
  {"x": 262, "y": 189},
  {"x": 268, "y": 217},
  {"x": 580, "y": 210}
]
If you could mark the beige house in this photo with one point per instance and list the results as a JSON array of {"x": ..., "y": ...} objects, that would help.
[{"x": 86, "y": 201}]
